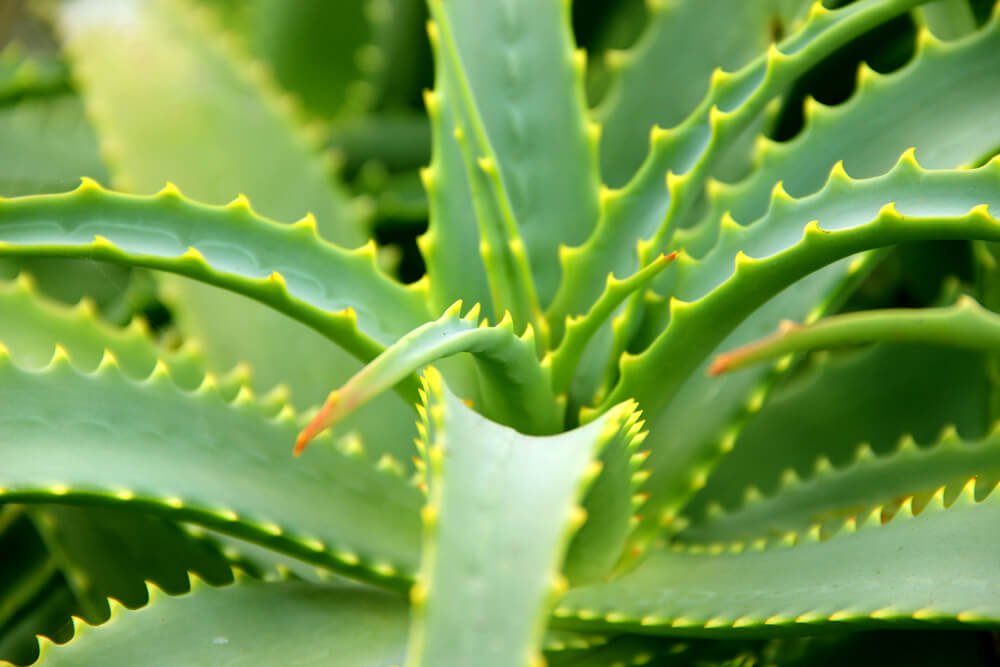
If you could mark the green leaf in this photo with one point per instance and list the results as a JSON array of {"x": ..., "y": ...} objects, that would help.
[
  {"x": 286, "y": 267},
  {"x": 933, "y": 570},
  {"x": 831, "y": 494},
  {"x": 966, "y": 325},
  {"x": 580, "y": 330},
  {"x": 515, "y": 387},
  {"x": 263, "y": 623},
  {"x": 645, "y": 210},
  {"x": 33, "y": 325},
  {"x": 233, "y": 247},
  {"x": 660, "y": 80},
  {"x": 185, "y": 113},
  {"x": 491, "y": 567},
  {"x": 791, "y": 435},
  {"x": 101, "y": 438},
  {"x": 105, "y": 552},
  {"x": 508, "y": 272},
  {"x": 451, "y": 245},
  {"x": 517, "y": 88},
  {"x": 939, "y": 103}
]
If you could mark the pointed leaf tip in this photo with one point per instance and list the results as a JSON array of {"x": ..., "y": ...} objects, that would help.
[{"x": 326, "y": 418}]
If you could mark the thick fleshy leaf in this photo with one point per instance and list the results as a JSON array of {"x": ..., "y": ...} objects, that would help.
[
  {"x": 664, "y": 76},
  {"x": 966, "y": 325},
  {"x": 491, "y": 566},
  {"x": 173, "y": 100},
  {"x": 832, "y": 406},
  {"x": 853, "y": 221},
  {"x": 105, "y": 552},
  {"x": 935, "y": 569},
  {"x": 248, "y": 622},
  {"x": 645, "y": 209},
  {"x": 515, "y": 387},
  {"x": 101, "y": 438},
  {"x": 516, "y": 85},
  {"x": 886, "y": 115},
  {"x": 830, "y": 494}
]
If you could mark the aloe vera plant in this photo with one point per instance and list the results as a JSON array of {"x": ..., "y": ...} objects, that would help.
[{"x": 560, "y": 439}]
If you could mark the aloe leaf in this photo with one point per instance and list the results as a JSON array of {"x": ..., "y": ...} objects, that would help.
[
  {"x": 104, "y": 552},
  {"x": 580, "y": 330},
  {"x": 661, "y": 79},
  {"x": 939, "y": 387},
  {"x": 966, "y": 324},
  {"x": 929, "y": 570},
  {"x": 515, "y": 387},
  {"x": 248, "y": 621},
  {"x": 151, "y": 446},
  {"x": 512, "y": 287},
  {"x": 512, "y": 72},
  {"x": 183, "y": 112},
  {"x": 495, "y": 562},
  {"x": 233, "y": 247},
  {"x": 644, "y": 209},
  {"x": 952, "y": 212},
  {"x": 831, "y": 494},
  {"x": 33, "y": 325},
  {"x": 451, "y": 245},
  {"x": 49, "y": 615},
  {"x": 886, "y": 115}
]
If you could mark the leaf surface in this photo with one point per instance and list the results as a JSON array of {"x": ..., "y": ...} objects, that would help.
[{"x": 248, "y": 622}]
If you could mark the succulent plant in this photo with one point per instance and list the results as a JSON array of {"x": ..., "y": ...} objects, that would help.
[{"x": 562, "y": 441}]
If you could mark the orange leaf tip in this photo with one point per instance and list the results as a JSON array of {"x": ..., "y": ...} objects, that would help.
[{"x": 322, "y": 421}]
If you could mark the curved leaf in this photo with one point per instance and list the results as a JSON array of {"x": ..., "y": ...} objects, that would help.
[
  {"x": 935, "y": 569},
  {"x": 655, "y": 376},
  {"x": 644, "y": 209},
  {"x": 868, "y": 480},
  {"x": 517, "y": 88},
  {"x": 966, "y": 324},
  {"x": 515, "y": 386},
  {"x": 263, "y": 623},
  {"x": 451, "y": 245},
  {"x": 939, "y": 103},
  {"x": 920, "y": 391},
  {"x": 339, "y": 293},
  {"x": 174, "y": 99},
  {"x": 101, "y": 438},
  {"x": 491, "y": 566},
  {"x": 660, "y": 80}
]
